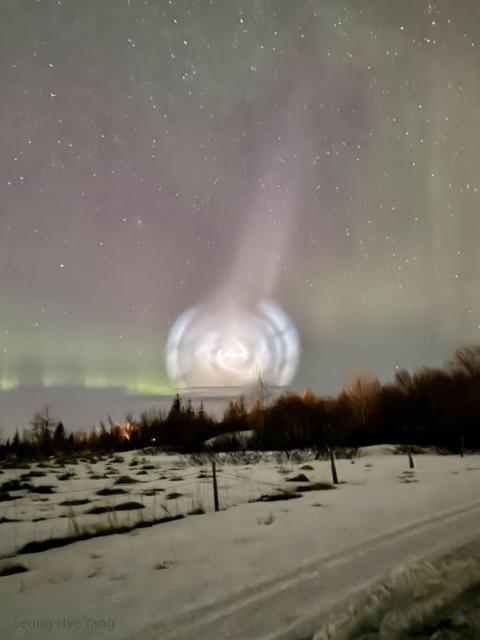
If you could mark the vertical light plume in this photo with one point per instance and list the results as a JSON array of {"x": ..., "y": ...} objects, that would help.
[
  {"x": 258, "y": 261},
  {"x": 239, "y": 331}
]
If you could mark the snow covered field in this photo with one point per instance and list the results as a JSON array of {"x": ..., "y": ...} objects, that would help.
[{"x": 256, "y": 569}]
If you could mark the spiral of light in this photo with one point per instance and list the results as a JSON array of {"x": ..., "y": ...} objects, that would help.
[{"x": 209, "y": 347}]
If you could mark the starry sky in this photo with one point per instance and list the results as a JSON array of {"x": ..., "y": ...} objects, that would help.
[{"x": 152, "y": 152}]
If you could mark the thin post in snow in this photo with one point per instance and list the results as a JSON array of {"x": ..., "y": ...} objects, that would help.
[
  {"x": 329, "y": 443},
  {"x": 334, "y": 468},
  {"x": 410, "y": 460},
  {"x": 215, "y": 487}
]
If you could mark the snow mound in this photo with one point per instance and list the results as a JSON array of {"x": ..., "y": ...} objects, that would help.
[
  {"x": 416, "y": 596},
  {"x": 377, "y": 450}
]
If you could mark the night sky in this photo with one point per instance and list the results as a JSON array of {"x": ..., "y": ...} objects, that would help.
[{"x": 157, "y": 154}]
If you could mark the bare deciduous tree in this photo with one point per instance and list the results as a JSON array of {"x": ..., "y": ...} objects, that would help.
[
  {"x": 467, "y": 360},
  {"x": 363, "y": 394}
]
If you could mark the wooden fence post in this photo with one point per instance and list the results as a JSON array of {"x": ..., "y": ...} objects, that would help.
[{"x": 215, "y": 487}]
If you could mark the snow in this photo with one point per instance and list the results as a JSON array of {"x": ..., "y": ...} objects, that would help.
[
  {"x": 253, "y": 570},
  {"x": 375, "y": 450}
]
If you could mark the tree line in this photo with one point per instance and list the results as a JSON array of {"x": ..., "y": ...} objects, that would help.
[{"x": 433, "y": 407}]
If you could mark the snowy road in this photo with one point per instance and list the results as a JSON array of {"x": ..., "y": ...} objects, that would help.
[{"x": 293, "y": 605}]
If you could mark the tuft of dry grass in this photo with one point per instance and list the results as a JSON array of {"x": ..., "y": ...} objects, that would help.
[
  {"x": 125, "y": 480},
  {"x": 111, "y": 491},
  {"x": 315, "y": 486},
  {"x": 270, "y": 519},
  {"x": 124, "y": 506},
  {"x": 278, "y": 497},
  {"x": 86, "y": 533},
  {"x": 77, "y": 502},
  {"x": 173, "y": 495},
  {"x": 166, "y": 564},
  {"x": 11, "y": 569}
]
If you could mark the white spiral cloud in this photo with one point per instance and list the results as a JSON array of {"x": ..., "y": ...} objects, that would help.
[{"x": 211, "y": 347}]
